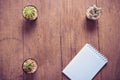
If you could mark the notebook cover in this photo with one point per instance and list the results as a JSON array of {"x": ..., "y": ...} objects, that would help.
[{"x": 86, "y": 64}]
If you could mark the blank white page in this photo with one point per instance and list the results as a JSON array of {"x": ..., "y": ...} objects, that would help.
[{"x": 86, "y": 64}]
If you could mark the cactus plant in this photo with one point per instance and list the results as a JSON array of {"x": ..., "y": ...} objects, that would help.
[
  {"x": 29, "y": 66},
  {"x": 30, "y": 12},
  {"x": 93, "y": 12}
]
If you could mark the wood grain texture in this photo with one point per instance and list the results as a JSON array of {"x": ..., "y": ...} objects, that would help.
[
  {"x": 58, "y": 34},
  {"x": 76, "y": 30},
  {"x": 11, "y": 44},
  {"x": 43, "y": 39},
  {"x": 109, "y": 37}
]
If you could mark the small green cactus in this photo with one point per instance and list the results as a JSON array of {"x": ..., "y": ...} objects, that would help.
[
  {"x": 28, "y": 66},
  {"x": 30, "y": 12},
  {"x": 93, "y": 12}
]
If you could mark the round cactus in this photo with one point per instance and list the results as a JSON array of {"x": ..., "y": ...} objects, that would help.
[
  {"x": 29, "y": 66},
  {"x": 93, "y": 12},
  {"x": 30, "y": 12}
]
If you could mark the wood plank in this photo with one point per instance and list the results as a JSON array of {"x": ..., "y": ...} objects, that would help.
[
  {"x": 76, "y": 31},
  {"x": 109, "y": 30},
  {"x": 11, "y": 44},
  {"x": 43, "y": 39},
  {"x": 60, "y": 31}
]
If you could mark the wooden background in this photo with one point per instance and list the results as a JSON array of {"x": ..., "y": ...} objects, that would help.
[{"x": 60, "y": 31}]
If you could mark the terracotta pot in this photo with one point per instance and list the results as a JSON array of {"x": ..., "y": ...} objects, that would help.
[
  {"x": 29, "y": 66},
  {"x": 93, "y": 12}
]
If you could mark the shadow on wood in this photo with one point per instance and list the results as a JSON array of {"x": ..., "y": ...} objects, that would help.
[
  {"x": 28, "y": 26},
  {"x": 91, "y": 25},
  {"x": 65, "y": 76},
  {"x": 29, "y": 76}
]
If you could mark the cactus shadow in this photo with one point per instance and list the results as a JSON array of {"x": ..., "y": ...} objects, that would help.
[
  {"x": 91, "y": 25},
  {"x": 28, "y": 26}
]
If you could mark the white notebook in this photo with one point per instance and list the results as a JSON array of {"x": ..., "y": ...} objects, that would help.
[{"x": 86, "y": 64}]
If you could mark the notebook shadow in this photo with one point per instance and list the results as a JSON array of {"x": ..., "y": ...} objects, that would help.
[{"x": 66, "y": 76}]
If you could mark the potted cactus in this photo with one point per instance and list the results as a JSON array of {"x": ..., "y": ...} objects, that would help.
[
  {"x": 30, "y": 12},
  {"x": 93, "y": 12},
  {"x": 29, "y": 66}
]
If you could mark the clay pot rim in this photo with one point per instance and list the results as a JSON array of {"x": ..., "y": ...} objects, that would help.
[
  {"x": 25, "y": 61},
  {"x": 95, "y": 18}
]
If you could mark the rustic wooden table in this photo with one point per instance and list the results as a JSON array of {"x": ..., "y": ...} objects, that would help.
[{"x": 60, "y": 31}]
